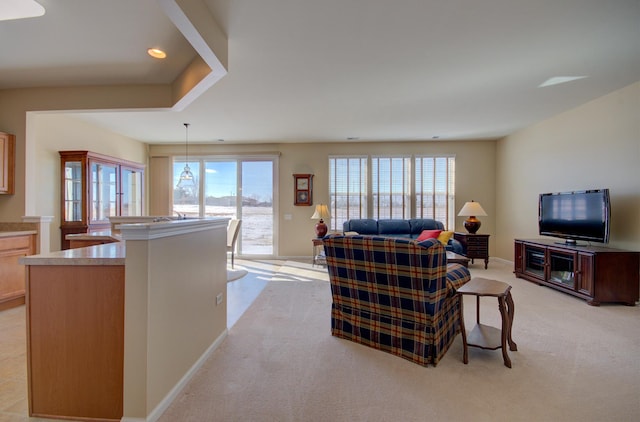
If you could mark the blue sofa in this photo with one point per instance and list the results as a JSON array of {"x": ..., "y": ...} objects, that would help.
[
  {"x": 410, "y": 229},
  {"x": 393, "y": 294}
]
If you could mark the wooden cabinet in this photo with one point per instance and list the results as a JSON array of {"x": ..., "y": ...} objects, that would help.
[
  {"x": 474, "y": 246},
  {"x": 75, "y": 346},
  {"x": 12, "y": 273},
  {"x": 594, "y": 273},
  {"x": 7, "y": 163},
  {"x": 95, "y": 187}
]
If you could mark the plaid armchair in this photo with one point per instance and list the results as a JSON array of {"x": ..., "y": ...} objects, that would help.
[{"x": 395, "y": 295}]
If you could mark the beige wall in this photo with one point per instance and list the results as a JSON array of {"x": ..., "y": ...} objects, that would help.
[
  {"x": 33, "y": 178},
  {"x": 475, "y": 177},
  {"x": 52, "y": 132},
  {"x": 596, "y": 145},
  {"x": 172, "y": 319}
]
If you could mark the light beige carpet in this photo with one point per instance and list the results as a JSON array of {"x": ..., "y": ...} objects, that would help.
[{"x": 280, "y": 363}]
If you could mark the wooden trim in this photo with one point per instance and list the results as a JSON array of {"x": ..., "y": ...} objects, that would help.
[{"x": 7, "y": 163}]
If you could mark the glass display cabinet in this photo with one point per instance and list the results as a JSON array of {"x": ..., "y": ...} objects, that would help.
[{"x": 95, "y": 187}]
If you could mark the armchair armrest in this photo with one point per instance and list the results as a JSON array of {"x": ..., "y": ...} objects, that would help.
[{"x": 457, "y": 276}]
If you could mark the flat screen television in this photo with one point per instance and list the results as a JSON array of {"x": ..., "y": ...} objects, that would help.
[{"x": 573, "y": 216}]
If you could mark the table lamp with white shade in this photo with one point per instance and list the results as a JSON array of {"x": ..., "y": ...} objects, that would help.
[
  {"x": 471, "y": 210},
  {"x": 322, "y": 211}
]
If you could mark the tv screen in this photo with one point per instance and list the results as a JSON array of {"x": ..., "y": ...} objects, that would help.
[{"x": 580, "y": 215}]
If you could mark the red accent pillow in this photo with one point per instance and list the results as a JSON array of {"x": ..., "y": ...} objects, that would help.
[{"x": 428, "y": 234}]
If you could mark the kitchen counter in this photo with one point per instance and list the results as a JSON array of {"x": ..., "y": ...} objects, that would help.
[
  {"x": 86, "y": 342},
  {"x": 99, "y": 235},
  {"x": 82, "y": 240},
  {"x": 107, "y": 254},
  {"x": 17, "y": 233}
]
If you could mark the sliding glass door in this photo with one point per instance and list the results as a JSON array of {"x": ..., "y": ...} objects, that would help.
[
  {"x": 257, "y": 208},
  {"x": 237, "y": 187}
]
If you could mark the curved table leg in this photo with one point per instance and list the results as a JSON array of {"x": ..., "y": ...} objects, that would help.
[
  {"x": 506, "y": 323},
  {"x": 510, "y": 311},
  {"x": 463, "y": 331}
]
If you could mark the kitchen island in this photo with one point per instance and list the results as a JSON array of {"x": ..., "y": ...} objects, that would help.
[{"x": 114, "y": 331}]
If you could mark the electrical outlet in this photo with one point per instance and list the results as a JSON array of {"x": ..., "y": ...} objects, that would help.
[{"x": 219, "y": 299}]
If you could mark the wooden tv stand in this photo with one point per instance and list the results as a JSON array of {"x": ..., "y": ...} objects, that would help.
[{"x": 596, "y": 274}]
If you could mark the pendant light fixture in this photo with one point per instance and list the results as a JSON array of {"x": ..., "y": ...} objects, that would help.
[{"x": 186, "y": 177}]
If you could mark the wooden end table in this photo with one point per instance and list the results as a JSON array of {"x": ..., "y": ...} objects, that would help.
[
  {"x": 474, "y": 245},
  {"x": 485, "y": 336},
  {"x": 454, "y": 258},
  {"x": 318, "y": 252}
]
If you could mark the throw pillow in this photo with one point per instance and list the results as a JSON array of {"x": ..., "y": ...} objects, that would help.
[
  {"x": 428, "y": 234},
  {"x": 445, "y": 236}
]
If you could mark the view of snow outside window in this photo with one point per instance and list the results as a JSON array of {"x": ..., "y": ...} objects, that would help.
[
  {"x": 397, "y": 187},
  {"x": 233, "y": 189},
  {"x": 359, "y": 187}
]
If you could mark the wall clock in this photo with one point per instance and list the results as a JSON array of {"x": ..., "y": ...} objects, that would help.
[{"x": 303, "y": 189}]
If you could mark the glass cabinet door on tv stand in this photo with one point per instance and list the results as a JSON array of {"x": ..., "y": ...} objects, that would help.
[
  {"x": 554, "y": 266},
  {"x": 95, "y": 187},
  {"x": 562, "y": 268}
]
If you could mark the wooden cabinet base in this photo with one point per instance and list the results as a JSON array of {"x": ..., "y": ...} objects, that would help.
[
  {"x": 594, "y": 273},
  {"x": 474, "y": 246},
  {"x": 75, "y": 341},
  {"x": 12, "y": 302},
  {"x": 11, "y": 271}
]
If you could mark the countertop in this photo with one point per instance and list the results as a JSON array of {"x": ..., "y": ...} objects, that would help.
[
  {"x": 18, "y": 233},
  {"x": 99, "y": 235},
  {"x": 107, "y": 254},
  {"x": 114, "y": 253}
]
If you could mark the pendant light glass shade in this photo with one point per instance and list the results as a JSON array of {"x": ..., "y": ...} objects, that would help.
[{"x": 186, "y": 177}]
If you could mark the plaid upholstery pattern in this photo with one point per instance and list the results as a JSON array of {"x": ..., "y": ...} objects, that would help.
[{"x": 395, "y": 295}]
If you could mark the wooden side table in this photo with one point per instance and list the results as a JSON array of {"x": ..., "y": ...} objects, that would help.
[
  {"x": 318, "y": 252},
  {"x": 454, "y": 258},
  {"x": 474, "y": 245},
  {"x": 485, "y": 336}
]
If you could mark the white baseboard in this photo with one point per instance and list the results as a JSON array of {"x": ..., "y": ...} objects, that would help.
[{"x": 175, "y": 391}]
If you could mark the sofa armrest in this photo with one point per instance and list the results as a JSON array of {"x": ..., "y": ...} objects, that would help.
[
  {"x": 457, "y": 276},
  {"x": 455, "y": 246}
]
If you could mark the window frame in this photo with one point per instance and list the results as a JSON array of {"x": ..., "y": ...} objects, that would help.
[{"x": 413, "y": 179}]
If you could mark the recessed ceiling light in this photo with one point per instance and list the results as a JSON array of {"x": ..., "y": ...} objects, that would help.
[
  {"x": 156, "y": 53},
  {"x": 20, "y": 9},
  {"x": 559, "y": 80}
]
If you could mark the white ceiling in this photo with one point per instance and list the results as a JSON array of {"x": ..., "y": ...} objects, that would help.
[{"x": 325, "y": 70}]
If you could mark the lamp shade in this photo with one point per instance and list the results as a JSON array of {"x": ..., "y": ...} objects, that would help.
[
  {"x": 322, "y": 211},
  {"x": 472, "y": 208}
]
